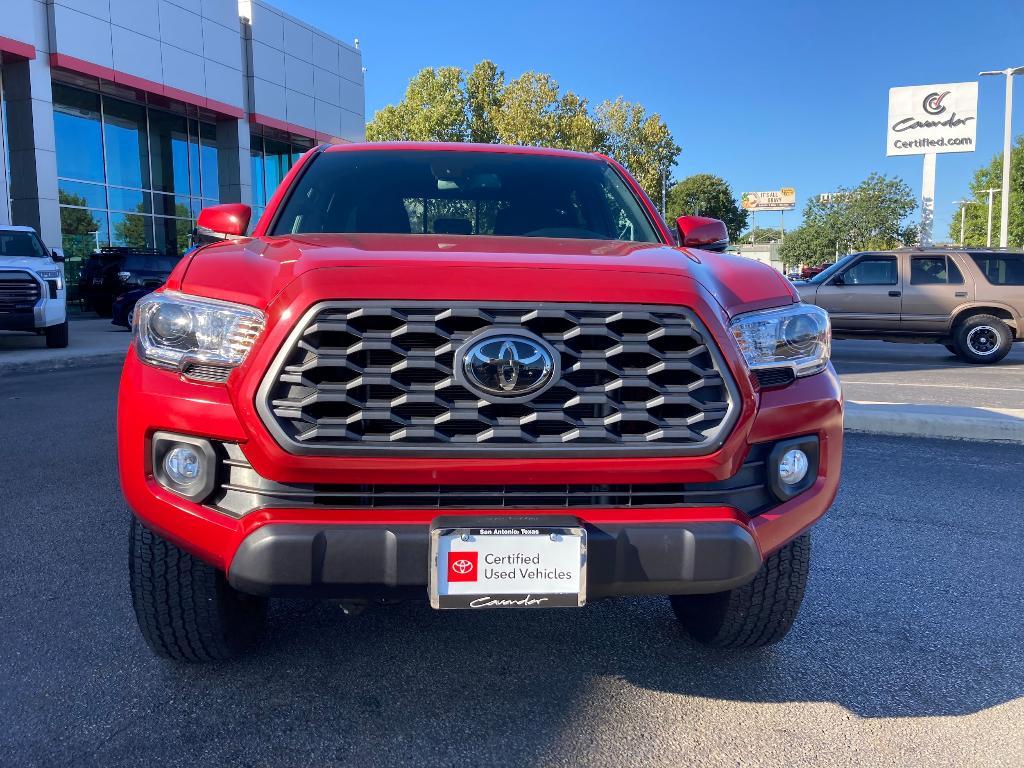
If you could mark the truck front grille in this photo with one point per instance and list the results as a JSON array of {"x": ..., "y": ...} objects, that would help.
[
  {"x": 18, "y": 291},
  {"x": 361, "y": 378}
]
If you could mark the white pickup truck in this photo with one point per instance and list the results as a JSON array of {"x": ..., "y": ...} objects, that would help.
[{"x": 33, "y": 294}]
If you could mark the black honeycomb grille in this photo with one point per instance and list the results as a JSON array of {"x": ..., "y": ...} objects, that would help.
[{"x": 380, "y": 378}]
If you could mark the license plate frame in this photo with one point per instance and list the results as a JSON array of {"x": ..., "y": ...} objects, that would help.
[{"x": 553, "y": 542}]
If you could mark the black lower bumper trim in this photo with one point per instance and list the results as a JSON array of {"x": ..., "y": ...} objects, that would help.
[{"x": 350, "y": 561}]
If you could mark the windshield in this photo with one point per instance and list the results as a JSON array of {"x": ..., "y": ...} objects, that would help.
[
  {"x": 21, "y": 244},
  {"x": 464, "y": 193},
  {"x": 149, "y": 263},
  {"x": 825, "y": 274}
]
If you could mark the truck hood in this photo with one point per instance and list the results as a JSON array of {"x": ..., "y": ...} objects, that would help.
[
  {"x": 254, "y": 271},
  {"x": 31, "y": 263}
]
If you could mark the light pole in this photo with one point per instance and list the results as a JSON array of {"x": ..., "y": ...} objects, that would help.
[
  {"x": 990, "y": 191},
  {"x": 1004, "y": 208},
  {"x": 963, "y": 218}
]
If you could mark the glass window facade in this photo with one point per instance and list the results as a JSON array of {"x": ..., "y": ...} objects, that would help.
[
  {"x": 129, "y": 174},
  {"x": 271, "y": 159}
]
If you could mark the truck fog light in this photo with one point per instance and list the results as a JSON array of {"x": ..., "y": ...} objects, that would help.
[
  {"x": 793, "y": 466},
  {"x": 183, "y": 464}
]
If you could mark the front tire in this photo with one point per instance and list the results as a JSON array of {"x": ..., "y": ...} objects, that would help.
[
  {"x": 756, "y": 614},
  {"x": 983, "y": 339},
  {"x": 57, "y": 336},
  {"x": 185, "y": 608}
]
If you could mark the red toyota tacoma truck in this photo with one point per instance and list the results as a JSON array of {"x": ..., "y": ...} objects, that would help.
[{"x": 481, "y": 376}]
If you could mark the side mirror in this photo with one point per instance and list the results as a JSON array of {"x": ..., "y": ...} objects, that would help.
[
  {"x": 57, "y": 255},
  {"x": 838, "y": 280},
  {"x": 223, "y": 222},
  {"x": 702, "y": 232}
]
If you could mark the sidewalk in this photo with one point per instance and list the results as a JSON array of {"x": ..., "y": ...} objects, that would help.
[
  {"x": 93, "y": 341},
  {"x": 956, "y": 422}
]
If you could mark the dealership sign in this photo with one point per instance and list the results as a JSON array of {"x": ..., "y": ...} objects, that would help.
[
  {"x": 777, "y": 200},
  {"x": 926, "y": 119}
]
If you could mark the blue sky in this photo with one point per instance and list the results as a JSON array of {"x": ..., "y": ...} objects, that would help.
[{"x": 764, "y": 94}]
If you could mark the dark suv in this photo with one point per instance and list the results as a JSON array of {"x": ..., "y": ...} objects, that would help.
[{"x": 111, "y": 272}]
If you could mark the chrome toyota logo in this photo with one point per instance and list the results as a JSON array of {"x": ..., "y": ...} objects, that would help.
[{"x": 506, "y": 366}]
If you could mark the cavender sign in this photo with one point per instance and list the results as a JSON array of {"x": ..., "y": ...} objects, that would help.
[{"x": 926, "y": 119}]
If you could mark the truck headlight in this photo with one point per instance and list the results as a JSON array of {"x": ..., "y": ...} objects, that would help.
[
  {"x": 797, "y": 337},
  {"x": 53, "y": 274},
  {"x": 172, "y": 330}
]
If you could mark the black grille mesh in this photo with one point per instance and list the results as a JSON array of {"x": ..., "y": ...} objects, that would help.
[
  {"x": 381, "y": 376},
  {"x": 240, "y": 490}
]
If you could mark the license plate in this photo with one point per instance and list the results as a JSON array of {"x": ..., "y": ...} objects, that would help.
[{"x": 508, "y": 565}]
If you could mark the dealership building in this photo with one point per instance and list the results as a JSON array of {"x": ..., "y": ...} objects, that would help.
[{"x": 123, "y": 118}]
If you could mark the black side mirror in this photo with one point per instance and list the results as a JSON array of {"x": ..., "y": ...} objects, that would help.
[
  {"x": 838, "y": 280},
  {"x": 57, "y": 255}
]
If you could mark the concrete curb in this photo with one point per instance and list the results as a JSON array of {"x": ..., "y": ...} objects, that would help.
[
  {"x": 948, "y": 422},
  {"x": 58, "y": 363}
]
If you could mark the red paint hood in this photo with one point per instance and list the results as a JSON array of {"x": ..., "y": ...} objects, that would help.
[{"x": 254, "y": 271}]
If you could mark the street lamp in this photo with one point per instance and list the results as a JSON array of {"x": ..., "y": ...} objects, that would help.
[
  {"x": 1004, "y": 209},
  {"x": 990, "y": 191},
  {"x": 963, "y": 210}
]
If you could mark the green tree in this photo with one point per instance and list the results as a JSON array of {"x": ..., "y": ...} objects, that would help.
[
  {"x": 641, "y": 142},
  {"x": 448, "y": 104},
  {"x": 434, "y": 109},
  {"x": 706, "y": 195},
  {"x": 991, "y": 177},
  {"x": 78, "y": 227},
  {"x": 867, "y": 217},
  {"x": 484, "y": 88}
]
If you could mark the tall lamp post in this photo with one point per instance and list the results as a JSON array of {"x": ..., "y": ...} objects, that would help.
[
  {"x": 1004, "y": 209},
  {"x": 963, "y": 218},
  {"x": 990, "y": 191}
]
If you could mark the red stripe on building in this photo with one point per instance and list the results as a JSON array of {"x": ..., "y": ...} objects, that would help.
[
  {"x": 17, "y": 48},
  {"x": 294, "y": 128},
  {"x": 72, "y": 64}
]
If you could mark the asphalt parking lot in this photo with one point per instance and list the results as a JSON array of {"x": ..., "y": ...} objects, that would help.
[
  {"x": 907, "y": 651},
  {"x": 876, "y": 371}
]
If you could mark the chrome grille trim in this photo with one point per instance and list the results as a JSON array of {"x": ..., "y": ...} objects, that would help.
[
  {"x": 18, "y": 289},
  {"x": 375, "y": 378}
]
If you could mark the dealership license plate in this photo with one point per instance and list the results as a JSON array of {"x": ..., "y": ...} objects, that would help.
[{"x": 508, "y": 565}]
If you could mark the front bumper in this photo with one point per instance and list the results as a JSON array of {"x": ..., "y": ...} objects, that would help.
[
  {"x": 21, "y": 320},
  {"x": 361, "y": 561},
  {"x": 320, "y": 549}
]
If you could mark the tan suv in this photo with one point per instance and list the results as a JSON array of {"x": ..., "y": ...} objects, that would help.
[{"x": 972, "y": 301}]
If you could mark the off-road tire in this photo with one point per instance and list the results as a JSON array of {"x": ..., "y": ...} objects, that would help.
[
  {"x": 983, "y": 339},
  {"x": 953, "y": 350},
  {"x": 756, "y": 614},
  {"x": 57, "y": 336},
  {"x": 185, "y": 608}
]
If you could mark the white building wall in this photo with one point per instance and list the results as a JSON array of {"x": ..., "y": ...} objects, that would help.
[
  {"x": 301, "y": 79},
  {"x": 191, "y": 47},
  {"x": 268, "y": 67}
]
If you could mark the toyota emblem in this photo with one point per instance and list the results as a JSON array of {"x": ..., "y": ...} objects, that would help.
[
  {"x": 462, "y": 566},
  {"x": 506, "y": 366}
]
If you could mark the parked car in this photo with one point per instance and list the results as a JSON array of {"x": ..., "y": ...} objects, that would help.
[
  {"x": 123, "y": 308},
  {"x": 806, "y": 273},
  {"x": 971, "y": 301},
  {"x": 110, "y": 272},
  {"x": 33, "y": 296},
  {"x": 480, "y": 376}
]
